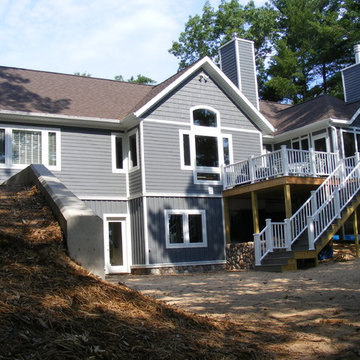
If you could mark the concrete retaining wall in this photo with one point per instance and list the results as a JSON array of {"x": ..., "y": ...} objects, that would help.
[{"x": 82, "y": 228}]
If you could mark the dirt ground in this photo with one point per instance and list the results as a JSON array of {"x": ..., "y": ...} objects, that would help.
[{"x": 315, "y": 311}]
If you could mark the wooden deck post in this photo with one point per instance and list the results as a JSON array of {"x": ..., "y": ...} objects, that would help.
[
  {"x": 356, "y": 233},
  {"x": 255, "y": 212},
  {"x": 227, "y": 220},
  {"x": 287, "y": 196}
]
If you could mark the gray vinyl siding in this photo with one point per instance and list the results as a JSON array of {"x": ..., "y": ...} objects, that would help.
[
  {"x": 248, "y": 71},
  {"x": 245, "y": 144},
  {"x": 228, "y": 62},
  {"x": 137, "y": 231},
  {"x": 162, "y": 162},
  {"x": 7, "y": 173},
  {"x": 101, "y": 207},
  {"x": 351, "y": 76},
  {"x": 86, "y": 167},
  {"x": 159, "y": 254},
  {"x": 176, "y": 107},
  {"x": 135, "y": 179}
]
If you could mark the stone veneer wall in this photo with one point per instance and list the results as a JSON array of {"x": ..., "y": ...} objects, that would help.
[{"x": 240, "y": 256}]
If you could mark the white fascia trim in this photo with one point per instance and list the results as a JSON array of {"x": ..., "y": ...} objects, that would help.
[
  {"x": 65, "y": 120},
  {"x": 173, "y": 195},
  {"x": 178, "y": 195},
  {"x": 102, "y": 198},
  {"x": 303, "y": 130},
  {"x": 209, "y": 66},
  {"x": 354, "y": 116},
  {"x": 168, "y": 122},
  {"x": 255, "y": 77},
  {"x": 189, "y": 263},
  {"x": 343, "y": 84},
  {"x": 242, "y": 130}
]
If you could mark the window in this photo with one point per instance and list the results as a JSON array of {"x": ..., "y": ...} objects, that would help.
[
  {"x": 204, "y": 117},
  {"x": 20, "y": 147},
  {"x": 186, "y": 147},
  {"x": 204, "y": 149},
  {"x": 118, "y": 146},
  {"x": 207, "y": 153},
  {"x": 133, "y": 150},
  {"x": 185, "y": 228},
  {"x": 300, "y": 143}
]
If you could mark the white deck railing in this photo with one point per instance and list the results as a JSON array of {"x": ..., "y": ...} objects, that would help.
[
  {"x": 282, "y": 162},
  {"x": 316, "y": 214}
]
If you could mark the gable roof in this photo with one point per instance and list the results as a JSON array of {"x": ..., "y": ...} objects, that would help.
[
  {"x": 53, "y": 93},
  {"x": 49, "y": 94},
  {"x": 286, "y": 117}
]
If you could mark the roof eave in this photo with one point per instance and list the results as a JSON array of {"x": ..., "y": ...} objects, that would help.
[{"x": 61, "y": 120}]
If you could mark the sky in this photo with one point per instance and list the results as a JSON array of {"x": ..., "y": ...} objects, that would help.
[{"x": 103, "y": 38}]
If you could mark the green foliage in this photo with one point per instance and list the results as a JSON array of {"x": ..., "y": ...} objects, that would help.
[
  {"x": 141, "y": 79},
  {"x": 300, "y": 44},
  {"x": 85, "y": 74}
]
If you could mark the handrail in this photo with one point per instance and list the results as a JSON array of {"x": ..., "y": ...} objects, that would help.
[
  {"x": 281, "y": 162},
  {"x": 332, "y": 208},
  {"x": 331, "y": 195}
]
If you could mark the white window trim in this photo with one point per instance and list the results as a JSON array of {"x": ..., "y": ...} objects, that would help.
[
  {"x": 197, "y": 130},
  {"x": 115, "y": 135},
  {"x": 44, "y": 146},
  {"x": 299, "y": 139},
  {"x": 131, "y": 167},
  {"x": 318, "y": 137},
  {"x": 185, "y": 223},
  {"x": 182, "y": 160}
]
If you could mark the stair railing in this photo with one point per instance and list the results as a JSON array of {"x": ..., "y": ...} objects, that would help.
[
  {"x": 289, "y": 231},
  {"x": 331, "y": 209}
]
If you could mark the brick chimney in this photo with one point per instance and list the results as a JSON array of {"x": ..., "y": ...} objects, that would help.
[{"x": 237, "y": 61}]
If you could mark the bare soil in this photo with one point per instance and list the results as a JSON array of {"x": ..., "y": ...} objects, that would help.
[
  {"x": 52, "y": 308},
  {"x": 307, "y": 314}
]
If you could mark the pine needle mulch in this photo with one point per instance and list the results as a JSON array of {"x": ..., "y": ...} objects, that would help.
[{"x": 51, "y": 308}]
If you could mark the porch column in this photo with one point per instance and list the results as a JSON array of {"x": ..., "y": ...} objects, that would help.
[
  {"x": 356, "y": 233},
  {"x": 287, "y": 197},
  {"x": 227, "y": 220},
  {"x": 255, "y": 212}
]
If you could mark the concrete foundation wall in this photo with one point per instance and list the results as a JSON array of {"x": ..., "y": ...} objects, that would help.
[{"x": 82, "y": 228}]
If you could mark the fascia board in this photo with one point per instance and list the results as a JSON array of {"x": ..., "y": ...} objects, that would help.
[
  {"x": 357, "y": 113},
  {"x": 239, "y": 98},
  {"x": 65, "y": 120},
  {"x": 207, "y": 64},
  {"x": 303, "y": 130}
]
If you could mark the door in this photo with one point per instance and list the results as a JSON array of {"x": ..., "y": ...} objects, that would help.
[
  {"x": 321, "y": 143},
  {"x": 116, "y": 247}
]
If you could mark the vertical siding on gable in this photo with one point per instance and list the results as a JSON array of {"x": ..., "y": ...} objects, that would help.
[
  {"x": 351, "y": 78},
  {"x": 176, "y": 107},
  {"x": 229, "y": 62},
  {"x": 86, "y": 167},
  {"x": 248, "y": 71},
  {"x": 137, "y": 231},
  {"x": 158, "y": 253}
]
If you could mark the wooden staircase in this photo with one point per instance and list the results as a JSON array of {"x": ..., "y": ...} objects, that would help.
[{"x": 283, "y": 259}]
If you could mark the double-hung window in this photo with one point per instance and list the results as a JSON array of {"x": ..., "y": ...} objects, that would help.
[
  {"x": 20, "y": 147},
  {"x": 185, "y": 228},
  {"x": 204, "y": 149}
]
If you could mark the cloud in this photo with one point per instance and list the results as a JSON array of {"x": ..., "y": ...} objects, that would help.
[{"x": 105, "y": 38}]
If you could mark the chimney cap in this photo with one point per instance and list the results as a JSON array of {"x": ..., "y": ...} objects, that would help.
[{"x": 357, "y": 53}]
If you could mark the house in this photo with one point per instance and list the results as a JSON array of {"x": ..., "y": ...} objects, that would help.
[{"x": 158, "y": 163}]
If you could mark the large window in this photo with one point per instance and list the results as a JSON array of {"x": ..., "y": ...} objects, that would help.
[
  {"x": 185, "y": 228},
  {"x": 351, "y": 142},
  {"x": 204, "y": 149},
  {"x": 20, "y": 147}
]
